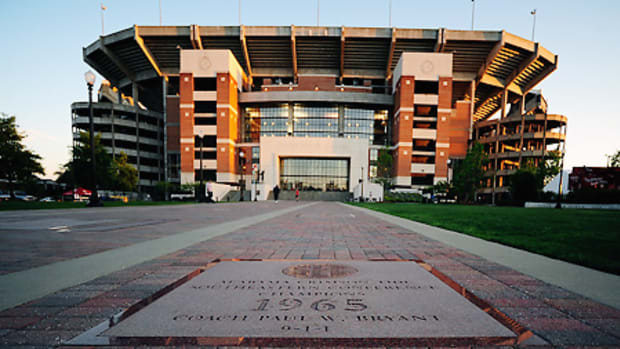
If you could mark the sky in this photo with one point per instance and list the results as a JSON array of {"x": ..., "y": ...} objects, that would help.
[{"x": 42, "y": 71}]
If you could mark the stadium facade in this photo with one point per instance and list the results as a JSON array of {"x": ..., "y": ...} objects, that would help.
[{"x": 311, "y": 107}]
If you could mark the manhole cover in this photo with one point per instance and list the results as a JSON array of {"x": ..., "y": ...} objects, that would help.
[{"x": 319, "y": 271}]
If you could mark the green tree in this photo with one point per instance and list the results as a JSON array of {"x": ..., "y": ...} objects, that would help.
[
  {"x": 442, "y": 190},
  {"x": 16, "y": 162},
  {"x": 524, "y": 184},
  {"x": 469, "y": 172},
  {"x": 384, "y": 163},
  {"x": 162, "y": 188},
  {"x": 548, "y": 169},
  {"x": 125, "y": 175},
  {"x": 78, "y": 171},
  {"x": 384, "y": 167},
  {"x": 528, "y": 182},
  {"x": 615, "y": 159}
]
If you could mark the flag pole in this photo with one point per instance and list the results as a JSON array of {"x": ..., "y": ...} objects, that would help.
[
  {"x": 390, "y": 13},
  {"x": 473, "y": 11},
  {"x": 103, "y": 8},
  {"x": 533, "y": 13}
]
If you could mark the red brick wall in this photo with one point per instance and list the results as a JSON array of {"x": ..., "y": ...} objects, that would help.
[
  {"x": 324, "y": 83},
  {"x": 403, "y": 125},
  {"x": 309, "y": 83},
  {"x": 227, "y": 123},
  {"x": 459, "y": 129},
  {"x": 443, "y": 126},
  {"x": 186, "y": 120}
]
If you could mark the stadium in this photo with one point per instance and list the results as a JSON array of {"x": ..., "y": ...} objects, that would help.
[{"x": 311, "y": 108}]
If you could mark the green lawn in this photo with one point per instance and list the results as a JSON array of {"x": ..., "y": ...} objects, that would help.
[
  {"x": 20, "y": 205},
  {"x": 586, "y": 237}
]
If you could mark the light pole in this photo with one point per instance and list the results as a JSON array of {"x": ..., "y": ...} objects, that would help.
[
  {"x": 362, "y": 183},
  {"x": 201, "y": 195},
  {"x": 89, "y": 76},
  {"x": 241, "y": 166},
  {"x": 558, "y": 203},
  {"x": 448, "y": 178}
]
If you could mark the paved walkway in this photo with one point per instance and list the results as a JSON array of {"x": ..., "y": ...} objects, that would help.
[
  {"x": 24, "y": 286},
  {"x": 319, "y": 231}
]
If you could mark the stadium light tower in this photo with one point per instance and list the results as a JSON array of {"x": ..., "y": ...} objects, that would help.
[{"x": 89, "y": 76}]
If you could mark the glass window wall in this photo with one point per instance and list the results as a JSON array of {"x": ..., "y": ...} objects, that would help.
[
  {"x": 315, "y": 121},
  {"x": 318, "y": 174},
  {"x": 265, "y": 121},
  {"x": 312, "y": 120},
  {"x": 366, "y": 124},
  {"x": 358, "y": 123}
]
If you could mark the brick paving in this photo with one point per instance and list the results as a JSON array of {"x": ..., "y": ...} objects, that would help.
[
  {"x": 34, "y": 238},
  {"x": 557, "y": 317}
]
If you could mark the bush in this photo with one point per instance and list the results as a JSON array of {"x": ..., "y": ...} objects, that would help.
[
  {"x": 523, "y": 185},
  {"x": 162, "y": 187},
  {"x": 594, "y": 196},
  {"x": 402, "y": 197}
]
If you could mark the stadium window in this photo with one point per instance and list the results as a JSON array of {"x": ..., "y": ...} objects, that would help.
[
  {"x": 426, "y": 87},
  {"x": 255, "y": 155},
  {"x": 205, "y": 107},
  {"x": 210, "y": 141},
  {"x": 205, "y": 121},
  {"x": 205, "y": 84},
  {"x": 374, "y": 154}
]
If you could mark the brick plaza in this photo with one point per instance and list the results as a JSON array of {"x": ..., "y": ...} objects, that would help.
[{"x": 331, "y": 231}]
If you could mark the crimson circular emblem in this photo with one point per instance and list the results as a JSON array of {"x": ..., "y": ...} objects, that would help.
[
  {"x": 427, "y": 66},
  {"x": 319, "y": 271}
]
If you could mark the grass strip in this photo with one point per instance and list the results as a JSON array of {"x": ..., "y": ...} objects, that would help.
[{"x": 589, "y": 238}]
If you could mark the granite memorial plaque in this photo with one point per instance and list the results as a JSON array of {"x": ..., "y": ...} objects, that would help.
[{"x": 314, "y": 299}]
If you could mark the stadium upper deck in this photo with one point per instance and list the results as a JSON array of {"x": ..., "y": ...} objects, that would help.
[{"x": 485, "y": 63}]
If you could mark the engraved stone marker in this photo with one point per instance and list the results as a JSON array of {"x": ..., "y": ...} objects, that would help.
[{"x": 312, "y": 300}]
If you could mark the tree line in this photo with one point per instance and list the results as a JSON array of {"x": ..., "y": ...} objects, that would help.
[
  {"x": 19, "y": 165},
  {"x": 111, "y": 173},
  {"x": 526, "y": 183}
]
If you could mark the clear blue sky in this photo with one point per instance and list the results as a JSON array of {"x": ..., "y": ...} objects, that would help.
[{"x": 42, "y": 70}]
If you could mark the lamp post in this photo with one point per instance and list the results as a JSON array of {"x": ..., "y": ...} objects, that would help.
[
  {"x": 449, "y": 163},
  {"x": 89, "y": 76},
  {"x": 241, "y": 182},
  {"x": 362, "y": 185},
  {"x": 558, "y": 203},
  {"x": 201, "y": 195}
]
